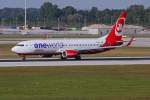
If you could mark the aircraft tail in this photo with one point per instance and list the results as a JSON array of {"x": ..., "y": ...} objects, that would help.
[{"x": 116, "y": 34}]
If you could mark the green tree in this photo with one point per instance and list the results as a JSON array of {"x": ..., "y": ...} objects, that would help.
[
  {"x": 136, "y": 14},
  {"x": 49, "y": 13},
  {"x": 69, "y": 10}
]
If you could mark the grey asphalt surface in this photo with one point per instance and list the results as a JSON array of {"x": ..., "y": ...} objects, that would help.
[
  {"x": 71, "y": 62},
  {"x": 141, "y": 42}
]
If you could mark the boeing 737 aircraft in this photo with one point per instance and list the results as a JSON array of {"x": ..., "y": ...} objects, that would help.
[{"x": 73, "y": 48}]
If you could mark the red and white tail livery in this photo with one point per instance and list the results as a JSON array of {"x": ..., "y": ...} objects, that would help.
[
  {"x": 74, "y": 48},
  {"x": 116, "y": 33}
]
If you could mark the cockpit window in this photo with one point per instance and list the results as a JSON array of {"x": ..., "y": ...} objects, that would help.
[{"x": 21, "y": 45}]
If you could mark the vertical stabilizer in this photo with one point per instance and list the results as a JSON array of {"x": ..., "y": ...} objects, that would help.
[{"x": 116, "y": 32}]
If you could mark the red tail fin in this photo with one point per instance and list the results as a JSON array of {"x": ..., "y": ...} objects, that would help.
[{"x": 116, "y": 32}]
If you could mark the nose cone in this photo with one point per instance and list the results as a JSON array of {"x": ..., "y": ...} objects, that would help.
[{"x": 14, "y": 49}]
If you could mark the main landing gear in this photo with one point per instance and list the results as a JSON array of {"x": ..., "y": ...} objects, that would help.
[
  {"x": 63, "y": 58},
  {"x": 77, "y": 57}
]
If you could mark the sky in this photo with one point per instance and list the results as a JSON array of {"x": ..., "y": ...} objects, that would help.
[{"x": 78, "y": 4}]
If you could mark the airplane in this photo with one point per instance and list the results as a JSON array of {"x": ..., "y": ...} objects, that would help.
[{"x": 74, "y": 48}]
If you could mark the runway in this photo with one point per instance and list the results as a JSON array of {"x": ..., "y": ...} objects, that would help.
[{"x": 32, "y": 62}]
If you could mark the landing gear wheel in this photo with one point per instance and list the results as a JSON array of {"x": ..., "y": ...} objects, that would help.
[
  {"x": 23, "y": 58},
  {"x": 78, "y": 57},
  {"x": 63, "y": 58}
]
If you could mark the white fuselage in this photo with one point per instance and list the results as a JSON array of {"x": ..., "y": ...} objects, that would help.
[{"x": 55, "y": 46}]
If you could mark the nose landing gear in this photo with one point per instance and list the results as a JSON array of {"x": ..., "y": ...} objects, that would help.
[{"x": 23, "y": 57}]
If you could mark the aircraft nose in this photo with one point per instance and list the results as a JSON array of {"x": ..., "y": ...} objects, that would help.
[{"x": 14, "y": 49}]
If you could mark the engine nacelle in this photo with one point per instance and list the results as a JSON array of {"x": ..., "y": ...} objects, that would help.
[{"x": 69, "y": 53}]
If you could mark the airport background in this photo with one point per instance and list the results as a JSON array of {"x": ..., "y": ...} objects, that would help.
[
  {"x": 120, "y": 74},
  {"x": 50, "y": 19},
  {"x": 49, "y": 15}
]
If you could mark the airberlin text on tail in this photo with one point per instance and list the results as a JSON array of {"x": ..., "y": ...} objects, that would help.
[{"x": 116, "y": 32}]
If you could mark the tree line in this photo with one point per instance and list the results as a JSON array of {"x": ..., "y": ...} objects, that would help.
[{"x": 49, "y": 15}]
